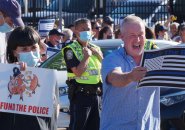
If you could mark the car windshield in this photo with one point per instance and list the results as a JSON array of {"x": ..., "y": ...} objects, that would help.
[{"x": 57, "y": 60}]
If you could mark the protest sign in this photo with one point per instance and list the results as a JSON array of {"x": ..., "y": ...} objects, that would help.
[
  {"x": 44, "y": 26},
  {"x": 165, "y": 68},
  {"x": 29, "y": 92},
  {"x": 51, "y": 51}
]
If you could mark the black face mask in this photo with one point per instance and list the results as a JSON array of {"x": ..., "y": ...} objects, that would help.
[{"x": 109, "y": 37}]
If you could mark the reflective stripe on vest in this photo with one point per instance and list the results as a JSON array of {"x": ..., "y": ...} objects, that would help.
[{"x": 92, "y": 73}]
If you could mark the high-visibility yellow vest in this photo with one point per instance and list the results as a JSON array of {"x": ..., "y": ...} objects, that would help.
[
  {"x": 92, "y": 73},
  {"x": 149, "y": 45}
]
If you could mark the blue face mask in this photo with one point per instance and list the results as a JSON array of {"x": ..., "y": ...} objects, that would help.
[
  {"x": 85, "y": 36},
  {"x": 31, "y": 58},
  {"x": 5, "y": 28}
]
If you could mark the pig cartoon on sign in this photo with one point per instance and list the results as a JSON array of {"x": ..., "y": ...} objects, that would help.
[{"x": 19, "y": 83}]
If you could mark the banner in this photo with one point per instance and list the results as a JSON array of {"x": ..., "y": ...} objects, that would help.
[
  {"x": 165, "y": 67},
  {"x": 29, "y": 92},
  {"x": 44, "y": 26},
  {"x": 51, "y": 51}
]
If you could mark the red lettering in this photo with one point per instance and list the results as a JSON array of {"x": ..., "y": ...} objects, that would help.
[
  {"x": 7, "y": 106},
  {"x": 21, "y": 107},
  {"x": 1, "y": 105},
  {"x": 38, "y": 110},
  {"x": 29, "y": 108}
]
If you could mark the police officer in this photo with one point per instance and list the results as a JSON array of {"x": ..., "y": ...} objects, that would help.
[
  {"x": 83, "y": 61},
  {"x": 150, "y": 45}
]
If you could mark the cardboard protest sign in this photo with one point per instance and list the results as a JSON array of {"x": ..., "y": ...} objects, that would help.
[
  {"x": 29, "y": 92},
  {"x": 51, "y": 51},
  {"x": 165, "y": 68},
  {"x": 44, "y": 26}
]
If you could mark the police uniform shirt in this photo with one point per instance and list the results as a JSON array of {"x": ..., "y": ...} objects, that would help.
[{"x": 70, "y": 59}]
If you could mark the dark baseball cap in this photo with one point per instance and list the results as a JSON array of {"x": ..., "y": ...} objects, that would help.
[
  {"x": 56, "y": 32},
  {"x": 108, "y": 20},
  {"x": 13, "y": 10}
]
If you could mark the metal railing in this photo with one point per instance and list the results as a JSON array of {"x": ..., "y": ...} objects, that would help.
[
  {"x": 39, "y": 9},
  {"x": 151, "y": 11}
]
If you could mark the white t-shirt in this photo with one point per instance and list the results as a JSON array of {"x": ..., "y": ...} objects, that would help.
[{"x": 3, "y": 47}]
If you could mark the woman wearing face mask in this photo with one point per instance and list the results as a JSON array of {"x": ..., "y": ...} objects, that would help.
[
  {"x": 23, "y": 47},
  {"x": 106, "y": 33}
]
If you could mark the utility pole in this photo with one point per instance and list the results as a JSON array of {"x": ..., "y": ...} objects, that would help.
[
  {"x": 60, "y": 14},
  {"x": 25, "y": 6}
]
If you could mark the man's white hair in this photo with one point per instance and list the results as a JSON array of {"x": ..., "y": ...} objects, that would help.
[
  {"x": 130, "y": 19},
  {"x": 175, "y": 23},
  {"x": 68, "y": 33}
]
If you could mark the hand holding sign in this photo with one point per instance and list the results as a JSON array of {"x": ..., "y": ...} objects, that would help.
[{"x": 138, "y": 73}]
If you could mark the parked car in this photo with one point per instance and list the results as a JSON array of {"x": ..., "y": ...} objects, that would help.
[{"x": 57, "y": 62}]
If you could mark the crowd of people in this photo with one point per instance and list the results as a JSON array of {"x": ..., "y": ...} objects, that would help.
[
  {"x": 102, "y": 91},
  {"x": 104, "y": 28}
]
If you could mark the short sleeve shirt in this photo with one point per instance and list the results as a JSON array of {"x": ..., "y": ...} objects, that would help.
[
  {"x": 70, "y": 59},
  {"x": 127, "y": 108}
]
